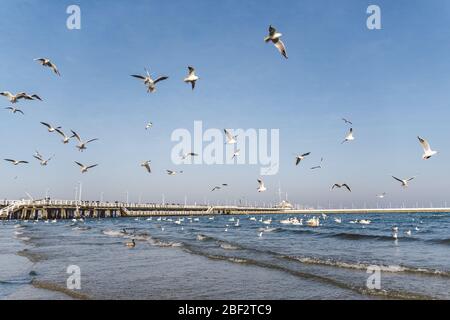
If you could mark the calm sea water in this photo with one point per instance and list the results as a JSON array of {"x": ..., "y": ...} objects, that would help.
[{"x": 198, "y": 259}]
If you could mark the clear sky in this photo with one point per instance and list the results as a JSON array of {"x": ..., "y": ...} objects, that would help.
[{"x": 392, "y": 83}]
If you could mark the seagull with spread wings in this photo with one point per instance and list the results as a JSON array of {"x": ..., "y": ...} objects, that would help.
[
  {"x": 65, "y": 139},
  {"x": 191, "y": 77},
  {"x": 404, "y": 182},
  {"x": 427, "y": 152},
  {"x": 261, "y": 187},
  {"x": 349, "y": 136},
  {"x": 148, "y": 80},
  {"x": 318, "y": 166},
  {"x": 172, "y": 172},
  {"x": 14, "y": 110},
  {"x": 41, "y": 159},
  {"x": 16, "y": 162},
  {"x": 230, "y": 138},
  {"x": 50, "y": 128},
  {"x": 146, "y": 165},
  {"x": 47, "y": 63},
  {"x": 344, "y": 185},
  {"x": 189, "y": 154},
  {"x": 300, "y": 157},
  {"x": 13, "y": 98},
  {"x": 275, "y": 37},
  {"x": 85, "y": 168},
  {"x": 347, "y": 121},
  {"x": 81, "y": 145}
]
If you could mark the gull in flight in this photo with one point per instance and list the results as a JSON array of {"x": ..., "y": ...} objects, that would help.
[
  {"x": 189, "y": 154},
  {"x": 49, "y": 127},
  {"x": 347, "y": 121},
  {"x": 43, "y": 161},
  {"x": 47, "y": 63},
  {"x": 236, "y": 153},
  {"x": 349, "y": 136},
  {"x": 337, "y": 185},
  {"x": 230, "y": 138},
  {"x": 382, "y": 195},
  {"x": 85, "y": 168},
  {"x": 219, "y": 187},
  {"x": 81, "y": 145},
  {"x": 13, "y": 98},
  {"x": 148, "y": 81},
  {"x": 191, "y": 78},
  {"x": 427, "y": 152},
  {"x": 261, "y": 187},
  {"x": 299, "y": 158},
  {"x": 319, "y": 166},
  {"x": 66, "y": 139},
  {"x": 14, "y": 110},
  {"x": 16, "y": 162},
  {"x": 403, "y": 181},
  {"x": 146, "y": 165},
  {"x": 148, "y": 126},
  {"x": 275, "y": 36},
  {"x": 172, "y": 173}
]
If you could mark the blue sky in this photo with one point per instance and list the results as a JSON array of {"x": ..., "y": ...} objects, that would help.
[{"x": 392, "y": 83}]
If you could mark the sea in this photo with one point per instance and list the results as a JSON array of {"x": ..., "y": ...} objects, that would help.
[{"x": 228, "y": 257}]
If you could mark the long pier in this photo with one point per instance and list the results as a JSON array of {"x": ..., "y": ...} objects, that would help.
[{"x": 72, "y": 209}]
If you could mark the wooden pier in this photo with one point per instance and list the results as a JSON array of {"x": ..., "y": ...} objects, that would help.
[{"x": 71, "y": 209}]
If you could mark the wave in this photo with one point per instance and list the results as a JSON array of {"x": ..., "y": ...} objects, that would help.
[
  {"x": 364, "y": 266},
  {"x": 445, "y": 241},
  {"x": 16, "y": 281},
  {"x": 394, "y": 294},
  {"x": 360, "y": 236}
]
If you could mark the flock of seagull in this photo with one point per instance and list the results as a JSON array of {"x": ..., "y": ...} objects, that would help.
[{"x": 150, "y": 83}]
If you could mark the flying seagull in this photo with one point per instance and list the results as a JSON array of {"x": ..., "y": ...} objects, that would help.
[
  {"x": 146, "y": 165},
  {"x": 148, "y": 126},
  {"x": 215, "y": 188},
  {"x": 43, "y": 161},
  {"x": 13, "y": 98},
  {"x": 148, "y": 80},
  {"x": 236, "y": 153},
  {"x": 191, "y": 78},
  {"x": 14, "y": 110},
  {"x": 261, "y": 187},
  {"x": 49, "y": 127},
  {"x": 81, "y": 145},
  {"x": 337, "y": 185},
  {"x": 382, "y": 195},
  {"x": 427, "y": 152},
  {"x": 16, "y": 162},
  {"x": 319, "y": 166},
  {"x": 85, "y": 168},
  {"x": 299, "y": 158},
  {"x": 230, "y": 138},
  {"x": 47, "y": 63},
  {"x": 172, "y": 173},
  {"x": 349, "y": 136},
  {"x": 66, "y": 139},
  {"x": 347, "y": 121},
  {"x": 404, "y": 182},
  {"x": 189, "y": 154},
  {"x": 275, "y": 36}
]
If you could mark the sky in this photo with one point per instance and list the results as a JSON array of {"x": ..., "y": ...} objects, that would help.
[{"x": 393, "y": 84}]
